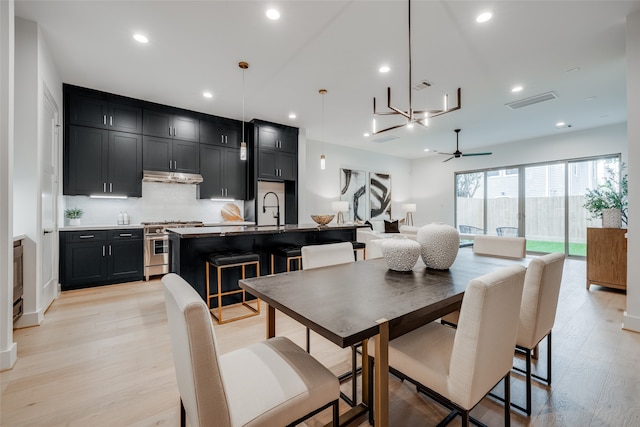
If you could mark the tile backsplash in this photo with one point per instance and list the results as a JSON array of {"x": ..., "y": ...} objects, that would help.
[{"x": 159, "y": 202}]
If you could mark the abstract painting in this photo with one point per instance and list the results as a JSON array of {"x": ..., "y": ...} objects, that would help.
[
  {"x": 380, "y": 195},
  {"x": 353, "y": 188}
]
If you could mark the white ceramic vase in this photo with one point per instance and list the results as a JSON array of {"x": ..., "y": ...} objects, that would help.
[
  {"x": 439, "y": 245},
  {"x": 400, "y": 253},
  {"x": 611, "y": 218},
  {"x": 74, "y": 221}
]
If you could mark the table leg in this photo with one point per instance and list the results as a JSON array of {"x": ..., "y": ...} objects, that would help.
[
  {"x": 271, "y": 322},
  {"x": 366, "y": 399},
  {"x": 381, "y": 375}
]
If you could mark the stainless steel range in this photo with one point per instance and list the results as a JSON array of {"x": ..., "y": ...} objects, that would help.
[{"x": 156, "y": 245}]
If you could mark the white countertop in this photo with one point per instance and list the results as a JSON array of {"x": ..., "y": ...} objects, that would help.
[
  {"x": 115, "y": 226},
  {"x": 19, "y": 237}
]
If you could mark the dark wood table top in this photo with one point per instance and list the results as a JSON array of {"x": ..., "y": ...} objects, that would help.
[{"x": 343, "y": 302}]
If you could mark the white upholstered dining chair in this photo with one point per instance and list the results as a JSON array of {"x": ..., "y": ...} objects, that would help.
[
  {"x": 496, "y": 246},
  {"x": 271, "y": 383},
  {"x": 538, "y": 314},
  {"x": 458, "y": 367}
]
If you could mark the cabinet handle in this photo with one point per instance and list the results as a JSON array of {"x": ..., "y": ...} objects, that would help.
[
  {"x": 111, "y": 187},
  {"x": 175, "y": 165},
  {"x": 103, "y": 250},
  {"x": 104, "y": 119},
  {"x": 110, "y": 120},
  {"x": 87, "y": 236},
  {"x": 126, "y": 235},
  {"x": 174, "y": 131},
  {"x": 221, "y": 139},
  {"x": 109, "y": 250},
  {"x": 104, "y": 187},
  {"x": 226, "y": 139}
]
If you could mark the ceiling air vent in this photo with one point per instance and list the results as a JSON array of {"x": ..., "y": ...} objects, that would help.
[
  {"x": 532, "y": 100},
  {"x": 423, "y": 84},
  {"x": 385, "y": 138}
]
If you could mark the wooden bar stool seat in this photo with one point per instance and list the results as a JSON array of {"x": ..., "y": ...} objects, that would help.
[
  {"x": 290, "y": 254},
  {"x": 223, "y": 261},
  {"x": 359, "y": 246}
]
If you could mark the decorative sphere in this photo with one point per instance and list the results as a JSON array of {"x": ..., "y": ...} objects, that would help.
[
  {"x": 439, "y": 245},
  {"x": 400, "y": 253}
]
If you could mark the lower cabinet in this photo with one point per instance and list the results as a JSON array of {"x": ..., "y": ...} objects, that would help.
[{"x": 100, "y": 257}]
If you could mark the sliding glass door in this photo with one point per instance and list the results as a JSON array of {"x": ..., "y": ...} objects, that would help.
[
  {"x": 544, "y": 193},
  {"x": 542, "y": 202}
]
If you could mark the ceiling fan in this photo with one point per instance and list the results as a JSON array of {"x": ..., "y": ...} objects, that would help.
[{"x": 459, "y": 153}]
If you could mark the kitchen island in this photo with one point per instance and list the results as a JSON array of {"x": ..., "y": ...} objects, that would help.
[{"x": 189, "y": 247}]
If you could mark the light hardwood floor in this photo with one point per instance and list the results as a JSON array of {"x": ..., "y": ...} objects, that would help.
[{"x": 102, "y": 357}]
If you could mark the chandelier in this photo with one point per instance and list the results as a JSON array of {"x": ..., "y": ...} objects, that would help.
[{"x": 412, "y": 116}]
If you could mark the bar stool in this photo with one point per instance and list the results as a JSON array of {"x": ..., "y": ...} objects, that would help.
[
  {"x": 359, "y": 246},
  {"x": 290, "y": 254},
  {"x": 222, "y": 261}
]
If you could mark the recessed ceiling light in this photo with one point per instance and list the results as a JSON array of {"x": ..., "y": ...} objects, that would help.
[
  {"x": 366, "y": 134},
  {"x": 384, "y": 69},
  {"x": 292, "y": 116},
  {"x": 140, "y": 38},
  {"x": 484, "y": 17},
  {"x": 560, "y": 124},
  {"x": 273, "y": 14},
  {"x": 207, "y": 94},
  {"x": 516, "y": 89},
  {"x": 590, "y": 98},
  {"x": 426, "y": 149}
]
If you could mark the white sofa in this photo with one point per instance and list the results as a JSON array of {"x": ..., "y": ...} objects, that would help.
[{"x": 373, "y": 238}]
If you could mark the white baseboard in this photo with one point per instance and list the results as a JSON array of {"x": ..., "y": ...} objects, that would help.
[
  {"x": 30, "y": 319},
  {"x": 8, "y": 357},
  {"x": 631, "y": 323}
]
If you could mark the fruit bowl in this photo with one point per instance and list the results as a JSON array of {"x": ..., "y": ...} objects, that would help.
[{"x": 322, "y": 219}]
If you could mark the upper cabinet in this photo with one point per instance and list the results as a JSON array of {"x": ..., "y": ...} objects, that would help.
[
  {"x": 170, "y": 155},
  {"x": 101, "y": 162},
  {"x": 93, "y": 110},
  {"x": 170, "y": 123},
  {"x": 277, "y": 151},
  {"x": 222, "y": 132}
]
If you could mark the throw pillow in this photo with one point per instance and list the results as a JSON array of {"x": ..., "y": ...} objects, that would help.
[{"x": 391, "y": 226}]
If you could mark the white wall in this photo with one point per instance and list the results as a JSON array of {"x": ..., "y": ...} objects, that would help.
[
  {"x": 35, "y": 69},
  {"x": 318, "y": 188},
  {"x": 632, "y": 315},
  {"x": 8, "y": 349},
  {"x": 159, "y": 202},
  {"x": 432, "y": 186}
]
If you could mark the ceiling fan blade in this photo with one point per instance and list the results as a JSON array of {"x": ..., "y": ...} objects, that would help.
[
  {"x": 477, "y": 154},
  {"x": 442, "y": 152},
  {"x": 447, "y": 159}
]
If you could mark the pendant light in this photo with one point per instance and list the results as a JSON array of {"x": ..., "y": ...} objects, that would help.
[
  {"x": 323, "y": 163},
  {"x": 243, "y": 145}
]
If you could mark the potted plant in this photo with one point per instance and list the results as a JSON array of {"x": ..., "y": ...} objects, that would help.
[
  {"x": 73, "y": 215},
  {"x": 609, "y": 198}
]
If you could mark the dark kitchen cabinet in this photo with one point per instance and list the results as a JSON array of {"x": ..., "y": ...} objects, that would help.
[
  {"x": 219, "y": 131},
  {"x": 101, "y": 162},
  {"x": 276, "y": 165},
  {"x": 277, "y": 151},
  {"x": 170, "y": 155},
  {"x": 99, "y": 257},
  {"x": 87, "y": 108},
  {"x": 169, "y": 123},
  {"x": 224, "y": 174}
]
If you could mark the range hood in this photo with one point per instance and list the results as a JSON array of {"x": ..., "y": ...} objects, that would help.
[{"x": 171, "y": 177}]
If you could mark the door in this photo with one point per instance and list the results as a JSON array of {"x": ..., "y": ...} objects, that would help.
[
  {"x": 235, "y": 176},
  {"x": 503, "y": 204},
  {"x": 186, "y": 156},
  {"x": 49, "y": 189},
  {"x": 544, "y": 195},
  {"x": 125, "y": 164},
  {"x": 156, "y": 154},
  {"x": 210, "y": 168},
  {"x": 86, "y": 165}
]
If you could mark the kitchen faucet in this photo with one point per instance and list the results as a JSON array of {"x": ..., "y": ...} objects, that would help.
[{"x": 277, "y": 206}]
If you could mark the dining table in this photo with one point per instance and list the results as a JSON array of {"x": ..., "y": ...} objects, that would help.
[{"x": 350, "y": 303}]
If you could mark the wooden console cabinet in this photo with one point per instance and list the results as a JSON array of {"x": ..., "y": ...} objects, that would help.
[{"x": 607, "y": 257}]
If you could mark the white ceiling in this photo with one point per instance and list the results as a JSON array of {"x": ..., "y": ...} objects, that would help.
[{"x": 339, "y": 46}]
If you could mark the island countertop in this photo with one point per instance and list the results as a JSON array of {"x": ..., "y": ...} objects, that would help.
[{"x": 196, "y": 232}]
